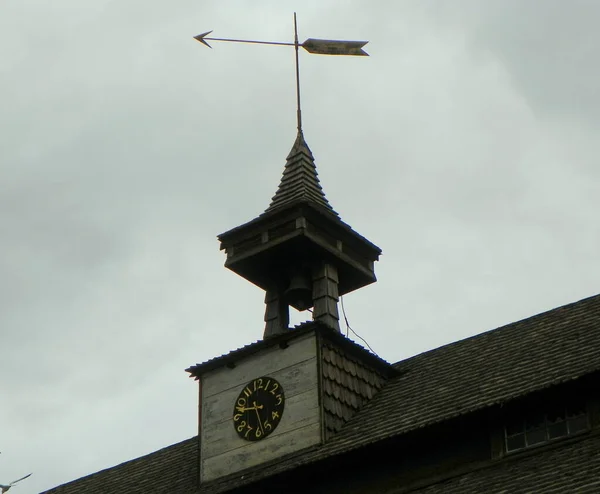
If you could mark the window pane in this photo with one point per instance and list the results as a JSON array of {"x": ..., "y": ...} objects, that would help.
[
  {"x": 575, "y": 408},
  {"x": 555, "y": 414},
  {"x": 577, "y": 424},
  {"x": 536, "y": 436},
  {"x": 558, "y": 429},
  {"x": 534, "y": 422},
  {"x": 515, "y": 442},
  {"x": 516, "y": 427}
]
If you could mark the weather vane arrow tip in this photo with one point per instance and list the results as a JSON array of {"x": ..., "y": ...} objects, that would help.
[{"x": 200, "y": 37}]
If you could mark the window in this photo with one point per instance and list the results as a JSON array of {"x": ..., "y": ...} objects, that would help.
[{"x": 536, "y": 427}]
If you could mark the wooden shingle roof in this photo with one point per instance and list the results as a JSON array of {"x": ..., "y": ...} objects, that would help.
[
  {"x": 560, "y": 345},
  {"x": 173, "y": 469},
  {"x": 472, "y": 374},
  {"x": 300, "y": 181},
  {"x": 559, "y": 470}
]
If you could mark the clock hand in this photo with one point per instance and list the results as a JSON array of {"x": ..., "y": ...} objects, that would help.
[
  {"x": 256, "y": 408},
  {"x": 243, "y": 409}
]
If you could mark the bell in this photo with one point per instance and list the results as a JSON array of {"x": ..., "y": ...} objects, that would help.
[{"x": 299, "y": 292}]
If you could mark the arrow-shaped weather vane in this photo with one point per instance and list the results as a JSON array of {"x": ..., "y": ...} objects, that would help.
[{"x": 311, "y": 45}]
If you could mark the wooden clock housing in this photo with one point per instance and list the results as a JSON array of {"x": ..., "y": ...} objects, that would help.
[{"x": 327, "y": 378}]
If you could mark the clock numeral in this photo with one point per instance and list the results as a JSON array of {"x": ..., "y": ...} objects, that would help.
[
  {"x": 279, "y": 400},
  {"x": 260, "y": 386},
  {"x": 237, "y": 416},
  {"x": 275, "y": 387},
  {"x": 248, "y": 431},
  {"x": 240, "y": 427},
  {"x": 247, "y": 391},
  {"x": 274, "y": 415},
  {"x": 258, "y": 433},
  {"x": 241, "y": 405},
  {"x": 267, "y": 385},
  {"x": 267, "y": 426}
]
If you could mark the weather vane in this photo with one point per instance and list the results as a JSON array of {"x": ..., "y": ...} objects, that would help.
[
  {"x": 5, "y": 487},
  {"x": 311, "y": 45}
]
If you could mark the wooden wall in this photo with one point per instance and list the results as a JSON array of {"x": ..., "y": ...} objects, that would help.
[{"x": 222, "y": 451}]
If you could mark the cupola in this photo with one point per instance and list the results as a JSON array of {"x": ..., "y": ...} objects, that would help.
[{"x": 299, "y": 250}]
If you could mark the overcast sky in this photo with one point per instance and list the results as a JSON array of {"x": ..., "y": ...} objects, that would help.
[{"x": 465, "y": 146}]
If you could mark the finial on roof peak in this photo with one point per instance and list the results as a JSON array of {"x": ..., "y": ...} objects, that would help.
[{"x": 300, "y": 145}]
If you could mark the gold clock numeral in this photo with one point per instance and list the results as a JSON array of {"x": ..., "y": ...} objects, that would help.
[
  {"x": 240, "y": 405},
  {"x": 275, "y": 387},
  {"x": 274, "y": 415},
  {"x": 237, "y": 416},
  {"x": 248, "y": 430},
  {"x": 260, "y": 386},
  {"x": 240, "y": 427},
  {"x": 247, "y": 391},
  {"x": 258, "y": 433},
  {"x": 279, "y": 400},
  {"x": 267, "y": 426}
]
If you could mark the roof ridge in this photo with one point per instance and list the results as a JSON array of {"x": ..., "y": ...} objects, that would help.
[
  {"x": 498, "y": 329},
  {"x": 300, "y": 180}
]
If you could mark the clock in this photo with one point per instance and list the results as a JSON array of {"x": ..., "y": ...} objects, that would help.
[{"x": 258, "y": 409}]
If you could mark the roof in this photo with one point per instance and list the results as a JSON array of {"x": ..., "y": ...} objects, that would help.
[
  {"x": 565, "y": 468},
  {"x": 472, "y": 374},
  {"x": 280, "y": 338},
  {"x": 560, "y": 345},
  {"x": 300, "y": 181},
  {"x": 494, "y": 367},
  {"x": 173, "y": 469}
]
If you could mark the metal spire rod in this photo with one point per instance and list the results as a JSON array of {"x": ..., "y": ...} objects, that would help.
[
  {"x": 298, "y": 110},
  {"x": 311, "y": 45}
]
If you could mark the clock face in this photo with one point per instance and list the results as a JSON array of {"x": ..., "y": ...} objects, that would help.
[{"x": 258, "y": 409}]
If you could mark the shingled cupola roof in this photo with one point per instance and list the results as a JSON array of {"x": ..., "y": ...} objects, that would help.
[{"x": 300, "y": 180}]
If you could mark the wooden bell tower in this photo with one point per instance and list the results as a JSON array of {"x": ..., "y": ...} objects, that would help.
[{"x": 299, "y": 250}]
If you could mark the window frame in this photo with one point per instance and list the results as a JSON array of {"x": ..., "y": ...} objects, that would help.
[{"x": 572, "y": 421}]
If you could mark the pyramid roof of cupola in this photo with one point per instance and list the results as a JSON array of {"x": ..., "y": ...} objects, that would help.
[{"x": 300, "y": 180}]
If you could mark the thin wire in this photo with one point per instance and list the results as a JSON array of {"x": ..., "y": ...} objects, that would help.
[
  {"x": 344, "y": 314},
  {"x": 349, "y": 328},
  {"x": 296, "y": 46}
]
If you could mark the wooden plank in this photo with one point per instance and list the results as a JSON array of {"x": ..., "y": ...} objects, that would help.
[
  {"x": 294, "y": 380},
  {"x": 269, "y": 449},
  {"x": 300, "y": 411},
  {"x": 266, "y": 362}
]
